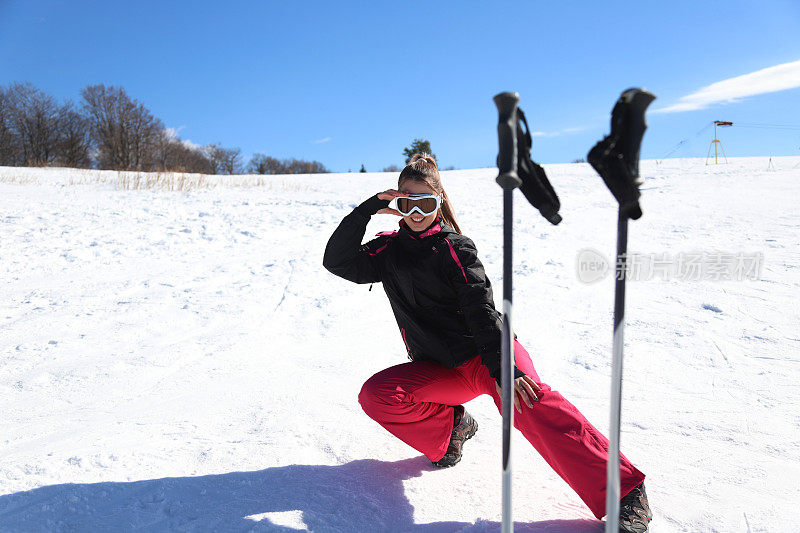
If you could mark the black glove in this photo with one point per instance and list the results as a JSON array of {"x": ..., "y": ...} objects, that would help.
[{"x": 372, "y": 205}]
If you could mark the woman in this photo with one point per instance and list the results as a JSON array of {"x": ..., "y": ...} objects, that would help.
[{"x": 444, "y": 307}]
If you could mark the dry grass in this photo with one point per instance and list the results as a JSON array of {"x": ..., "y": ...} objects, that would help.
[
  {"x": 19, "y": 180},
  {"x": 166, "y": 181},
  {"x": 133, "y": 181}
]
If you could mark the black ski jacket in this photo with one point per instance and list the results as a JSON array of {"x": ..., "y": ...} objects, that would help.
[{"x": 436, "y": 285}]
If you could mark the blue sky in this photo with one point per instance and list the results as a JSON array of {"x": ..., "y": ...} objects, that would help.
[{"x": 348, "y": 83}]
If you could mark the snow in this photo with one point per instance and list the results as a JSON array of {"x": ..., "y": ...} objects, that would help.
[{"x": 180, "y": 359}]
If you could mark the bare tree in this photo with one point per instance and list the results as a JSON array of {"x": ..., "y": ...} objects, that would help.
[
  {"x": 188, "y": 159},
  {"x": 298, "y": 166},
  {"x": 231, "y": 161},
  {"x": 145, "y": 131},
  {"x": 164, "y": 148},
  {"x": 173, "y": 154},
  {"x": 125, "y": 132},
  {"x": 264, "y": 164},
  {"x": 223, "y": 160},
  {"x": 8, "y": 138},
  {"x": 392, "y": 168},
  {"x": 74, "y": 138},
  {"x": 34, "y": 117},
  {"x": 213, "y": 153},
  {"x": 115, "y": 131}
]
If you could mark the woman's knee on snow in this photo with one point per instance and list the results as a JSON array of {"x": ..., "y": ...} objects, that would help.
[
  {"x": 368, "y": 396},
  {"x": 380, "y": 396}
]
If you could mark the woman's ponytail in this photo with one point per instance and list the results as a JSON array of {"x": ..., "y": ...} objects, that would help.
[{"x": 448, "y": 215}]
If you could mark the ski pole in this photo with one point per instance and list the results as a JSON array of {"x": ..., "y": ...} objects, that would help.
[
  {"x": 516, "y": 169},
  {"x": 616, "y": 159},
  {"x": 509, "y": 180}
]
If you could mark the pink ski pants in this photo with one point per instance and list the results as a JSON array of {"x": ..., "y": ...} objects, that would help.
[{"x": 414, "y": 402}]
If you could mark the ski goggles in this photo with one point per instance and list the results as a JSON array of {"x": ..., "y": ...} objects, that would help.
[{"x": 424, "y": 204}]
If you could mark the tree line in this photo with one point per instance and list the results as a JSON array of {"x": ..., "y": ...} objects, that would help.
[{"x": 110, "y": 130}]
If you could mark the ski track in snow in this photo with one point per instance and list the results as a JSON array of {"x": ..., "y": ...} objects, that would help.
[{"x": 182, "y": 361}]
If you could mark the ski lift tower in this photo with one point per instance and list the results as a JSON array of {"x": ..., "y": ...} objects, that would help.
[{"x": 715, "y": 142}]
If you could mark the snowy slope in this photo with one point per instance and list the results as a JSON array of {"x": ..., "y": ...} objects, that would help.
[{"x": 181, "y": 360}]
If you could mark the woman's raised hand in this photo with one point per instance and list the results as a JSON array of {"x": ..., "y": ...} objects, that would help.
[
  {"x": 390, "y": 195},
  {"x": 525, "y": 388}
]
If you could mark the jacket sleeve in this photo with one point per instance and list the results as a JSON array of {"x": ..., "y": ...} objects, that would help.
[
  {"x": 474, "y": 292},
  {"x": 345, "y": 256}
]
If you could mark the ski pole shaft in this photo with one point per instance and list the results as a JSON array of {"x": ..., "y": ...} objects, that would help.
[
  {"x": 613, "y": 479},
  {"x": 508, "y": 179},
  {"x": 507, "y": 364}
]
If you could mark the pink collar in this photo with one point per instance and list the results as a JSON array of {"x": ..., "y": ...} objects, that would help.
[{"x": 436, "y": 227}]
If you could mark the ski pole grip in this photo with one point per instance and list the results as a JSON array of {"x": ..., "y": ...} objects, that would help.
[
  {"x": 507, "y": 140},
  {"x": 616, "y": 157}
]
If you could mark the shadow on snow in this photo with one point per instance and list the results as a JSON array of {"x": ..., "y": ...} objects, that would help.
[{"x": 364, "y": 495}]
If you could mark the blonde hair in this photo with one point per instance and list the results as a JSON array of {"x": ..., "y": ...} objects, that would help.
[{"x": 422, "y": 168}]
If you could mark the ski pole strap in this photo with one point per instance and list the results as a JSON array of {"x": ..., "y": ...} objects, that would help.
[{"x": 535, "y": 185}]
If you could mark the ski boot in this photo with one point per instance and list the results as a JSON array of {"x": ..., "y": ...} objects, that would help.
[
  {"x": 634, "y": 511},
  {"x": 464, "y": 427}
]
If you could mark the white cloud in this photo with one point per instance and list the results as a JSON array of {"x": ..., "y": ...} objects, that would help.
[
  {"x": 557, "y": 133},
  {"x": 320, "y": 141},
  {"x": 190, "y": 145},
  {"x": 172, "y": 134},
  {"x": 768, "y": 80}
]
